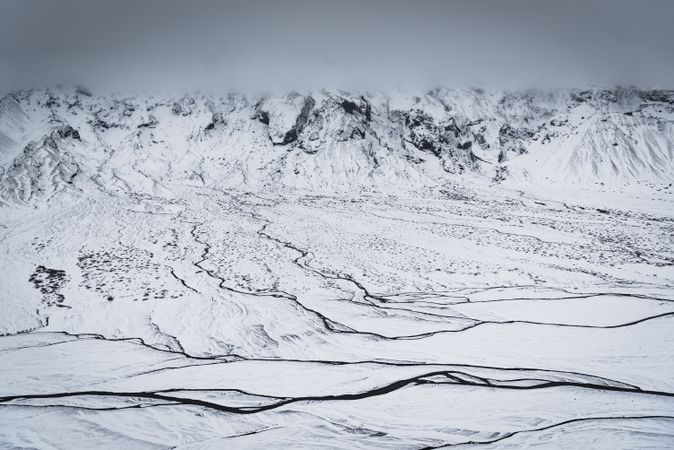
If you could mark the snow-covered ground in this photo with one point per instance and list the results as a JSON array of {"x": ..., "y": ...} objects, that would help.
[{"x": 288, "y": 273}]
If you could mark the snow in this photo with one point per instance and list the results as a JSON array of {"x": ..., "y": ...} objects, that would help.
[{"x": 180, "y": 273}]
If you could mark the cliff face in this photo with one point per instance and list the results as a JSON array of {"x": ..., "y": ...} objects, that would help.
[{"x": 58, "y": 141}]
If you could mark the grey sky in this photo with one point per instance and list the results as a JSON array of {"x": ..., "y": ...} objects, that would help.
[{"x": 267, "y": 45}]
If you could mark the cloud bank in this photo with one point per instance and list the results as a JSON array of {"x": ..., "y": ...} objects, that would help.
[{"x": 369, "y": 44}]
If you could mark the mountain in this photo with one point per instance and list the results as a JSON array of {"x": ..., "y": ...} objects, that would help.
[
  {"x": 337, "y": 270},
  {"x": 55, "y": 142}
]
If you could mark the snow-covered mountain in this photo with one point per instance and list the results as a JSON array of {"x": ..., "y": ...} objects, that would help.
[
  {"x": 337, "y": 270},
  {"x": 61, "y": 141}
]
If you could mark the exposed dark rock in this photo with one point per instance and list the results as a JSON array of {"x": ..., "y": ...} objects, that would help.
[
  {"x": 658, "y": 95},
  {"x": 357, "y": 132},
  {"x": 101, "y": 124},
  {"x": 67, "y": 132},
  {"x": 128, "y": 109},
  {"x": 293, "y": 134},
  {"x": 216, "y": 119},
  {"x": 52, "y": 101},
  {"x": 428, "y": 146},
  {"x": 350, "y": 107},
  {"x": 508, "y": 134},
  {"x": 81, "y": 90},
  {"x": 368, "y": 110},
  {"x": 581, "y": 96},
  {"x": 500, "y": 174},
  {"x": 453, "y": 128},
  {"x": 289, "y": 137},
  {"x": 308, "y": 106},
  {"x": 151, "y": 123},
  {"x": 184, "y": 106},
  {"x": 446, "y": 141},
  {"x": 481, "y": 140},
  {"x": 262, "y": 116},
  {"x": 49, "y": 282},
  {"x": 514, "y": 140}
]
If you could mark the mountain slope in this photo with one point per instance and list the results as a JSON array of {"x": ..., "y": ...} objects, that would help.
[{"x": 54, "y": 141}]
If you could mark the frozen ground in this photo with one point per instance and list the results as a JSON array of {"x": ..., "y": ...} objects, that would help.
[
  {"x": 233, "y": 319},
  {"x": 337, "y": 270}
]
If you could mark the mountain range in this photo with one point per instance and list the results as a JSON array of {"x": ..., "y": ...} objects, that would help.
[{"x": 56, "y": 142}]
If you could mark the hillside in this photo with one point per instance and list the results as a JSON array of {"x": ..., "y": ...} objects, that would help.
[{"x": 63, "y": 141}]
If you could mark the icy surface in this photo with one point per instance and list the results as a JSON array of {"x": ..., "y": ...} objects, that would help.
[{"x": 337, "y": 270}]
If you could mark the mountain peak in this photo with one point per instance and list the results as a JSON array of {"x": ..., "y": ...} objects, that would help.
[{"x": 337, "y": 140}]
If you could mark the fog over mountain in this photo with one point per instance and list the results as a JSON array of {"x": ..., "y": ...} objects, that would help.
[
  {"x": 300, "y": 44},
  {"x": 336, "y": 225}
]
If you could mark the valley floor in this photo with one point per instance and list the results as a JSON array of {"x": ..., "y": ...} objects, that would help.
[{"x": 230, "y": 319}]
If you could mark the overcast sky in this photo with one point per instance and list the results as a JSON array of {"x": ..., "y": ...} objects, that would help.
[{"x": 368, "y": 44}]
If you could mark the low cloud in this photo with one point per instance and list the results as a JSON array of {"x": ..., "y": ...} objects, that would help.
[{"x": 273, "y": 45}]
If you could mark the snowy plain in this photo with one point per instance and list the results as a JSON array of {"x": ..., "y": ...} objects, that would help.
[{"x": 337, "y": 272}]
